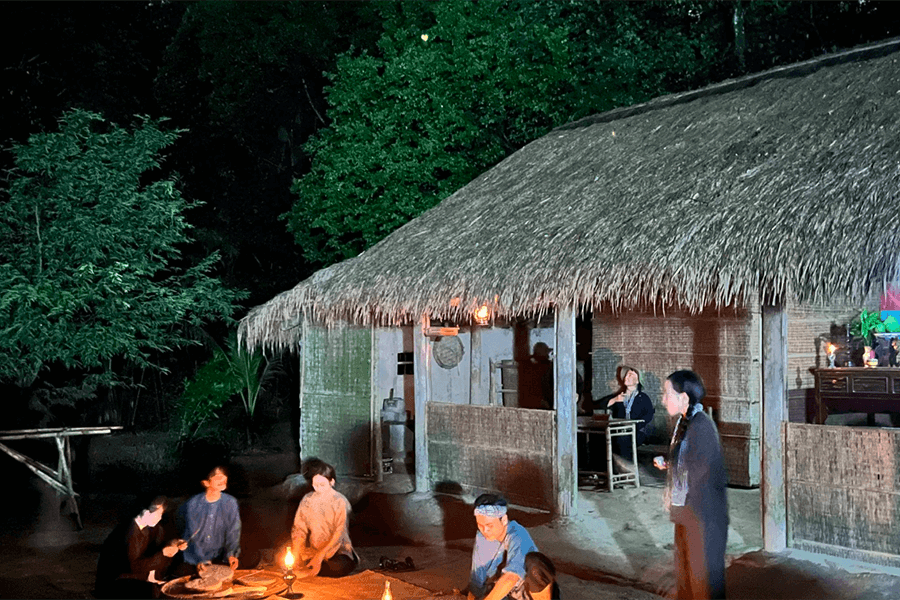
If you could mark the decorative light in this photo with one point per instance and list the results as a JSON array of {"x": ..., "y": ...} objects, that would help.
[
  {"x": 831, "y": 349},
  {"x": 424, "y": 37},
  {"x": 482, "y": 314}
]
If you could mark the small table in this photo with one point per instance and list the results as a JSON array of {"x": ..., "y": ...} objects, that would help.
[{"x": 611, "y": 428}]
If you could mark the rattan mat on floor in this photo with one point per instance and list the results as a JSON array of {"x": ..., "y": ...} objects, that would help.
[{"x": 366, "y": 585}]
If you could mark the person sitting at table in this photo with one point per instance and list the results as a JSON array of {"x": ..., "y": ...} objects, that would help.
[
  {"x": 211, "y": 523},
  {"x": 505, "y": 561},
  {"x": 631, "y": 403},
  {"x": 136, "y": 556},
  {"x": 320, "y": 534}
]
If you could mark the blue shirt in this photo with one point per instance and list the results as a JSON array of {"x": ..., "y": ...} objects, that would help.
[
  {"x": 212, "y": 529},
  {"x": 491, "y": 559}
]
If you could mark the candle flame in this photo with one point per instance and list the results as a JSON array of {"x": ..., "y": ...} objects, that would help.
[
  {"x": 289, "y": 559},
  {"x": 831, "y": 348}
]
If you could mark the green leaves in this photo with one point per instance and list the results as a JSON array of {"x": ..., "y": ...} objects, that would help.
[
  {"x": 426, "y": 115},
  {"x": 231, "y": 371},
  {"x": 411, "y": 126},
  {"x": 866, "y": 324},
  {"x": 89, "y": 253}
]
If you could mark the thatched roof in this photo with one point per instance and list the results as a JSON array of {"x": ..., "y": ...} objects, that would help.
[{"x": 780, "y": 184}]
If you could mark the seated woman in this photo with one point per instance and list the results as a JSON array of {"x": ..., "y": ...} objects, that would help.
[
  {"x": 631, "y": 403},
  {"x": 136, "y": 556},
  {"x": 320, "y": 535}
]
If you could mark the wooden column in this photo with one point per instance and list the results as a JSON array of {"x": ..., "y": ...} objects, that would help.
[
  {"x": 564, "y": 402},
  {"x": 475, "y": 391},
  {"x": 774, "y": 415},
  {"x": 422, "y": 368}
]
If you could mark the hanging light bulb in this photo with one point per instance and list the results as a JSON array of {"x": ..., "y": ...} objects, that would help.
[{"x": 482, "y": 314}]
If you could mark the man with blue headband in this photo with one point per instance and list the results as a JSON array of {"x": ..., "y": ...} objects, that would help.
[{"x": 505, "y": 561}]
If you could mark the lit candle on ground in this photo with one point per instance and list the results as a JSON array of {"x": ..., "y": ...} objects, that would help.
[{"x": 289, "y": 576}]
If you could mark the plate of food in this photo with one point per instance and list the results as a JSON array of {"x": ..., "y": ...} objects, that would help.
[{"x": 219, "y": 581}]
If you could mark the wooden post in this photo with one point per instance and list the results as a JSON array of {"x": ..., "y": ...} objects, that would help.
[
  {"x": 774, "y": 409},
  {"x": 564, "y": 401},
  {"x": 422, "y": 368},
  {"x": 376, "y": 431},
  {"x": 475, "y": 390}
]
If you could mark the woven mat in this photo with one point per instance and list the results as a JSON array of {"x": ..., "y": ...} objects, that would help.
[{"x": 367, "y": 585}]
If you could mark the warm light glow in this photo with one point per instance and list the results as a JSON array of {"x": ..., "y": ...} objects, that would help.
[
  {"x": 424, "y": 37},
  {"x": 831, "y": 348},
  {"x": 288, "y": 559},
  {"x": 482, "y": 314}
]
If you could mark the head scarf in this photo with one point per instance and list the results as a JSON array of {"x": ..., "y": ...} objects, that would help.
[{"x": 490, "y": 510}]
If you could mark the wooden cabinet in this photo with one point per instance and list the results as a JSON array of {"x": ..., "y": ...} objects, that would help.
[{"x": 857, "y": 389}]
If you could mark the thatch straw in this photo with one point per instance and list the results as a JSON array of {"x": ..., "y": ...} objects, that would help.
[{"x": 779, "y": 185}]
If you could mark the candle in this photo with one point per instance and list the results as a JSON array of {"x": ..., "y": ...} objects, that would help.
[{"x": 289, "y": 576}]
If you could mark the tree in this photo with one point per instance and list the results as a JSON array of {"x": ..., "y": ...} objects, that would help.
[
  {"x": 232, "y": 371},
  {"x": 90, "y": 268},
  {"x": 454, "y": 88},
  {"x": 246, "y": 79}
]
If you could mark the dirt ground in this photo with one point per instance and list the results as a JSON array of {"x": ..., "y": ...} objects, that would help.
[
  {"x": 618, "y": 546},
  {"x": 45, "y": 555}
]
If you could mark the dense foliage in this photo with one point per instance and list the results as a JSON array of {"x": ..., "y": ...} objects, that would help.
[
  {"x": 90, "y": 269},
  {"x": 454, "y": 87},
  {"x": 232, "y": 371},
  {"x": 406, "y": 121}
]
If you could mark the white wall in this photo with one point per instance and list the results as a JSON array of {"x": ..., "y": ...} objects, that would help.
[{"x": 448, "y": 385}]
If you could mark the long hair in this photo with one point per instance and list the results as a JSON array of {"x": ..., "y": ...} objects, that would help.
[
  {"x": 623, "y": 371},
  {"x": 691, "y": 384}
]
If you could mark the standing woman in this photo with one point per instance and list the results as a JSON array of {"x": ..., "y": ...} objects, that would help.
[{"x": 695, "y": 490}]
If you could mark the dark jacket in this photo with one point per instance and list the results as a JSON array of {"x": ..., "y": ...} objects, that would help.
[
  {"x": 706, "y": 479},
  {"x": 641, "y": 409},
  {"x": 128, "y": 555}
]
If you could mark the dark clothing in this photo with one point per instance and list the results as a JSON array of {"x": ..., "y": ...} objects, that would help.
[
  {"x": 641, "y": 409},
  {"x": 128, "y": 555},
  {"x": 338, "y": 565},
  {"x": 539, "y": 573},
  {"x": 699, "y": 510}
]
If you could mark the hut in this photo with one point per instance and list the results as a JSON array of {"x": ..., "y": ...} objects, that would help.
[{"x": 726, "y": 229}]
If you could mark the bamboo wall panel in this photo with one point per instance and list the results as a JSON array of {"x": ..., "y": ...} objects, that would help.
[
  {"x": 336, "y": 414},
  {"x": 719, "y": 345},
  {"x": 490, "y": 448},
  {"x": 844, "y": 487}
]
